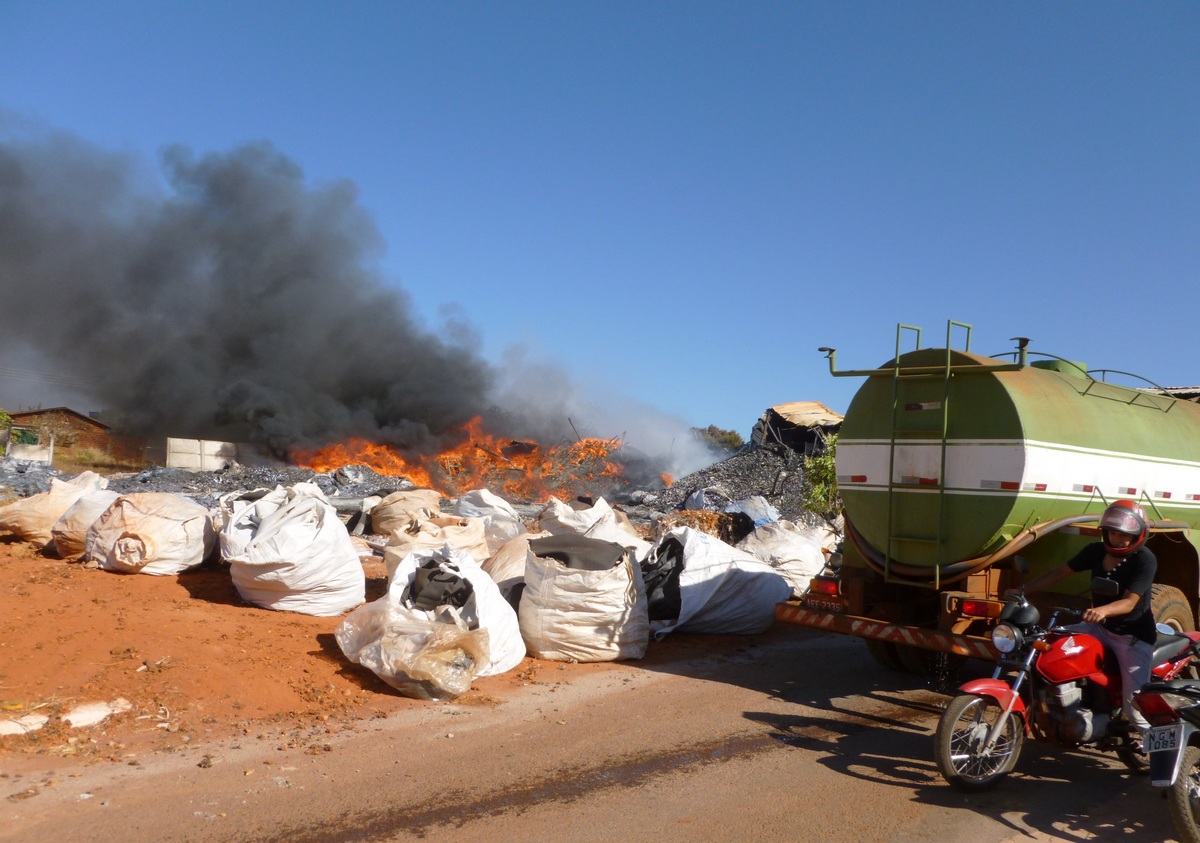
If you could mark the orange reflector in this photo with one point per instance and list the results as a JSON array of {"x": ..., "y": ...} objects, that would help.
[
  {"x": 1041, "y": 646},
  {"x": 824, "y": 585},
  {"x": 982, "y": 608}
]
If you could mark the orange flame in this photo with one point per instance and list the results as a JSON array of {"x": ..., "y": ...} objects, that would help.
[{"x": 516, "y": 470}]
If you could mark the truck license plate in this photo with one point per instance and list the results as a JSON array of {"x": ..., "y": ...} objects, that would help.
[
  {"x": 824, "y": 604},
  {"x": 1163, "y": 738}
]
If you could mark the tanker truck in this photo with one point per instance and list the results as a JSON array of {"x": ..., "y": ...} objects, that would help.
[{"x": 962, "y": 474}]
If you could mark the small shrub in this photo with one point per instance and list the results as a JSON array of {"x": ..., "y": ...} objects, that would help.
[{"x": 820, "y": 492}]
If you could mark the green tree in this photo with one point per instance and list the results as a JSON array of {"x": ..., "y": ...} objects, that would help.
[
  {"x": 5, "y": 421},
  {"x": 820, "y": 491},
  {"x": 718, "y": 439}
]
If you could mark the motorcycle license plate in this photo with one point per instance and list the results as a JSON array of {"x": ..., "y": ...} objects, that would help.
[{"x": 1163, "y": 738}]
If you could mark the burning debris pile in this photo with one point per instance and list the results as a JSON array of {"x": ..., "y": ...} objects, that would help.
[{"x": 518, "y": 470}]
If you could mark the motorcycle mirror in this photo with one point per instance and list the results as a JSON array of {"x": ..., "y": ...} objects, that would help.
[
  {"x": 1164, "y": 629},
  {"x": 1104, "y": 587}
]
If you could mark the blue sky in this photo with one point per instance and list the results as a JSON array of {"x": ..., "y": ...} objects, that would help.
[{"x": 679, "y": 202}]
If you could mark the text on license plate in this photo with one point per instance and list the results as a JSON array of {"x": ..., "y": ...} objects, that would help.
[
  {"x": 824, "y": 604},
  {"x": 1163, "y": 738}
]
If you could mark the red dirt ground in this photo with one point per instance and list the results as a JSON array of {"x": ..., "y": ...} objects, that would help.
[{"x": 195, "y": 662}]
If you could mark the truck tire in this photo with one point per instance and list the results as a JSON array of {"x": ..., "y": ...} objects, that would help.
[
  {"x": 928, "y": 664},
  {"x": 915, "y": 660},
  {"x": 1169, "y": 606},
  {"x": 884, "y": 652}
]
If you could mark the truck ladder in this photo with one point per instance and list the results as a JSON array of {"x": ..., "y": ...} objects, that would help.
[{"x": 902, "y": 431}]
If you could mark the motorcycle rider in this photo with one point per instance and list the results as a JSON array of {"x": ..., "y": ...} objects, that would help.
[{"x": 1124, "y": 624}]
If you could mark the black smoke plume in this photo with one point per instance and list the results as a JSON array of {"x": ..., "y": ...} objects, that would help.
[
  {"x": 233, "y": 302},
  {"x": 221, "y": 296}
]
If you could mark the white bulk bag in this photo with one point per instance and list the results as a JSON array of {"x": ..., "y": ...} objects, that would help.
[
  {"x": 33, "y": 518},
  {"x": 70, "y": 531},
  {"x": 501, "y": 522},
  {"x": 399, "y": 509},
  {"x": 722, "y": 589},
  {"x": 793, "y": 551},
  {"x": 157, "y": 533},
  {"x": 599, "y": 521},
  {"x": 465, "y": 534},
  {"x": 236, "y": 532},
  {"x": 295, "y": 555},
  {"x": 433, "y": 652},
  {"x": 422, "y": 657},
  {"x": 574, "y": 614},
  {"x": 507, "y": 565}
]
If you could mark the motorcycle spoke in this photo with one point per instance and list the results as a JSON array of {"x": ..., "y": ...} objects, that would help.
[{"x": 967, "y": 736}]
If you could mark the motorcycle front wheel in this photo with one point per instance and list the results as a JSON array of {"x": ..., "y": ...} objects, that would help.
[
  {"x": 1184, "y": 797},
  {"x": 960, "y": 738}
]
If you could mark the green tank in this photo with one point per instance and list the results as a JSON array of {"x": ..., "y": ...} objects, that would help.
[{"x": 949, "y": 461}]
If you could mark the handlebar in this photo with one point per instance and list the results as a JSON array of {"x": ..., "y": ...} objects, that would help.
[{"x": 1057, "y": 614}]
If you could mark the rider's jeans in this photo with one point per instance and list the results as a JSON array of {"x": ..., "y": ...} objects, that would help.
[{"x": 1134, "y": 657}]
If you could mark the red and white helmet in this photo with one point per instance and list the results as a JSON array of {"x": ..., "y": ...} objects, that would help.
[{"x": 1128, "y": 517}]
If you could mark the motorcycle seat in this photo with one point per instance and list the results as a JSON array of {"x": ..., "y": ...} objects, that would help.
[{"x": 1166, "y": 647}]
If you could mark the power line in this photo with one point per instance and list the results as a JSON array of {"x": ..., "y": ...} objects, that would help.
[{"x": 7, "y": 372}]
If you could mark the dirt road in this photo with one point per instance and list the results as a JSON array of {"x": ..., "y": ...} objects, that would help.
[{"x": 788, "y": 735}]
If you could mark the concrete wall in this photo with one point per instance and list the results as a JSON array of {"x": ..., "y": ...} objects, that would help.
[
  {"x": 200, "y": 454},
  {"x": 33, "y": 453}
]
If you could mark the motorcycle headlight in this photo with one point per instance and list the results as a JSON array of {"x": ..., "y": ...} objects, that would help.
[{"x": 1005, "y": 638}]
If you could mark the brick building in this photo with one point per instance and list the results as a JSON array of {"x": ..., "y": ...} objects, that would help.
[{"x": 72, "y": 429}]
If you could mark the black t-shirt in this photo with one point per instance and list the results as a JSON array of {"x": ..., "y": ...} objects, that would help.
[{"x": 1134, "y": 573}]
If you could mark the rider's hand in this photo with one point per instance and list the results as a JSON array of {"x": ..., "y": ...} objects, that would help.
[{"x": 1094, "y": 615}]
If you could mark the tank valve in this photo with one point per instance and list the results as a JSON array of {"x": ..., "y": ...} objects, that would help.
[{"x": 1022, "y": 344}]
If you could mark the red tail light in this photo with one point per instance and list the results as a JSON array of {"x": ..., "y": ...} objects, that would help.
[
  {"x": 825, "y": 585},
  {"x": 1156, "y": 708},
  {"x": 982, "y": 608}
]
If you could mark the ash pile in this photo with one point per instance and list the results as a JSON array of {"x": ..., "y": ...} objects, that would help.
[
  {"x": 776, "y": 474},
  {"x": 23, "y": 478}
]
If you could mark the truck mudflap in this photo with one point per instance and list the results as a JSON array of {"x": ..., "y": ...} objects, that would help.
[{"x": 925, "y": 639}]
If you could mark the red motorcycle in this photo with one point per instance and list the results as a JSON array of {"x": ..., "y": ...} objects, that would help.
[{"x": 1061, "y": 688}]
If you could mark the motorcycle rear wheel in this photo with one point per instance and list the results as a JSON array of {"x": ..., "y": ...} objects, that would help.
[
  {"x": 1183, "y": 800},
  {"x": 962, "y": 730},
  {"x": 1135, "y": 760}
]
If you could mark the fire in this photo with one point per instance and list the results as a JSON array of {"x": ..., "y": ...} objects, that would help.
[{"x": 516, "y": 470}]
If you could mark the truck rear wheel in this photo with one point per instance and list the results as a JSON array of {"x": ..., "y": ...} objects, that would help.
[
  {"x": 930, "y": 664},
  {"x": 1169, "y": 606},
  {"x": 884, "y": 652}
]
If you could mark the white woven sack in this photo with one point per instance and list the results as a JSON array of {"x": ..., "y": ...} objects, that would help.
[
  {"x": 465, "y": 534},
  {"x": 491, "y": 612},
  {"x": 722, "y": 589},
  {"x": 70, "y": 531},
  {"x": 501, "y": 523},
  {"x": 300, "y": 557},
  {"x": 156, "y": 533},
  {"x": 399, "y": 509},
  {"x": 599, "y": 521},
  {"x": 792, "y": 551},
  {"x": 237, "y": 527},
  {"x": 568, "y": 614},
  {"x": 33, "y": 518}
]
